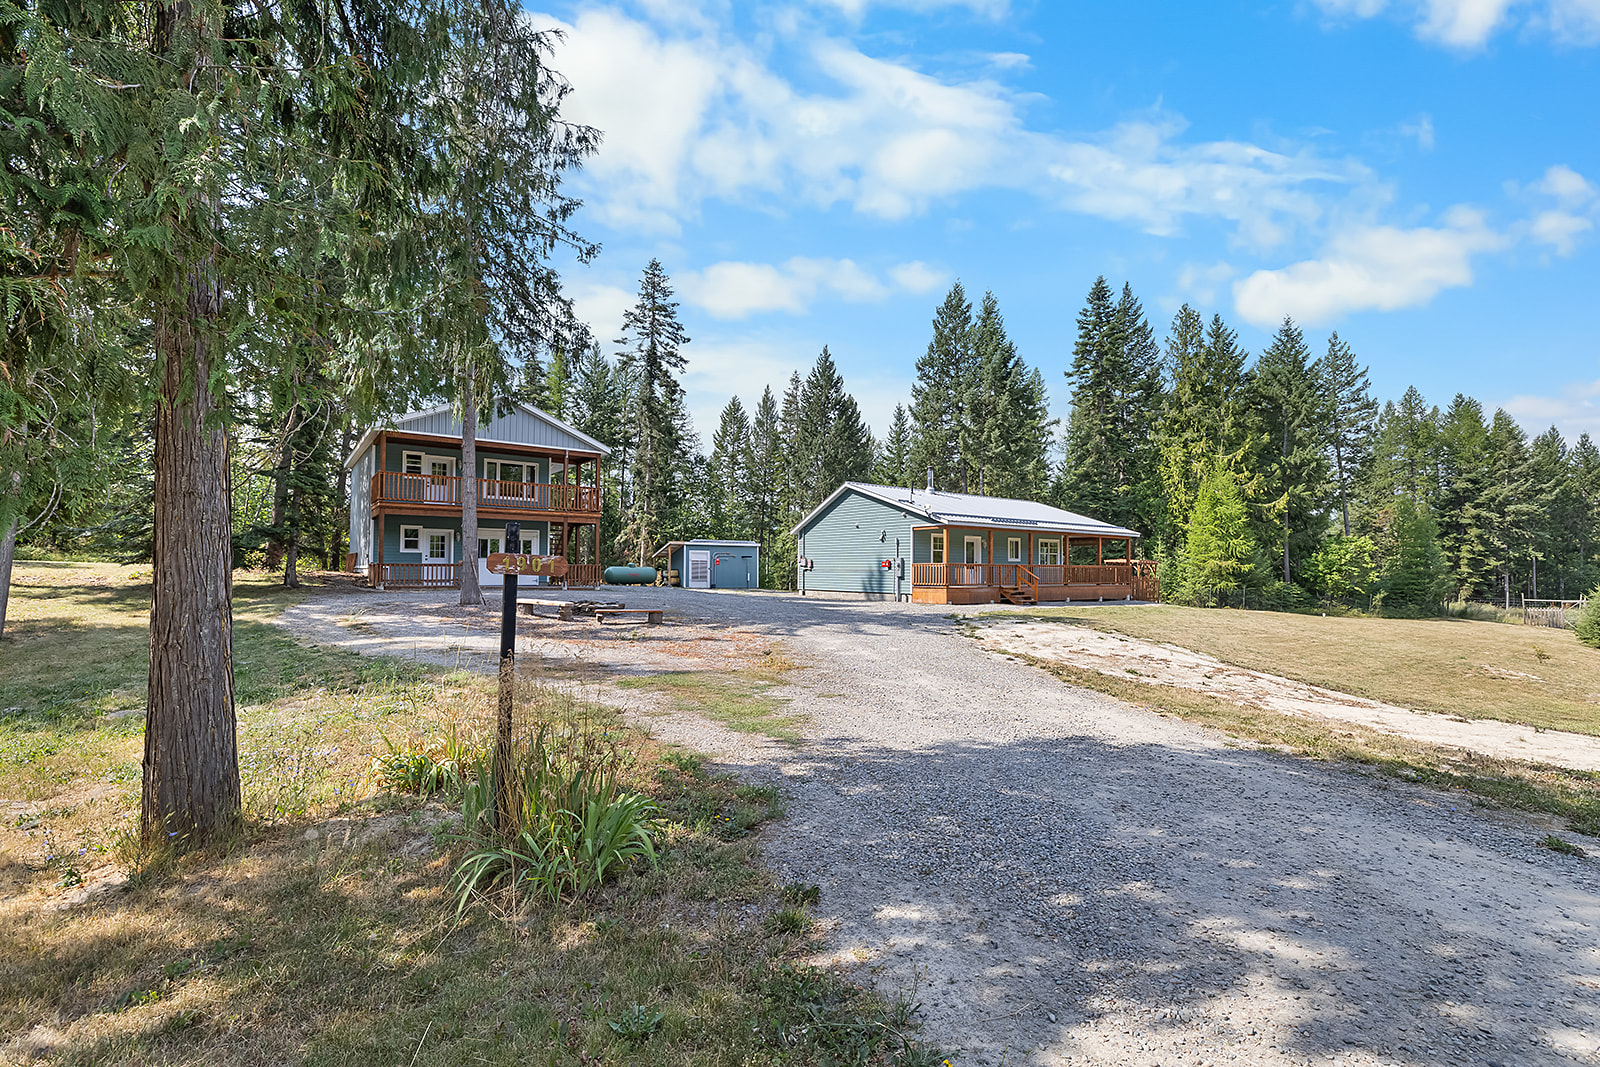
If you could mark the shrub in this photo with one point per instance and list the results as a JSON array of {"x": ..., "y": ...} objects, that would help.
[
  {"x": 572, "y": 825},
  {"x": 1587, "y": 624}
]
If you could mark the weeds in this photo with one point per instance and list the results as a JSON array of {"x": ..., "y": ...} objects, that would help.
[{"x": 1561, "y": 845}]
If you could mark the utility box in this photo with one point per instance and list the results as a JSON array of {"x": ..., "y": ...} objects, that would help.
[{"x": 711, "y": 564}]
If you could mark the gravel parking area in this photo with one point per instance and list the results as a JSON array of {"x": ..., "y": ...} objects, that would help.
[{"x": 1061, "y": 879}]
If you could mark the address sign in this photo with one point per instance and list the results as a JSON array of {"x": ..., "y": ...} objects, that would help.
[{"x": 519, "y": 563}]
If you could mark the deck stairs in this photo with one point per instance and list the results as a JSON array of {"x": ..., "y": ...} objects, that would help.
[{"x": 1020, "y": 595}]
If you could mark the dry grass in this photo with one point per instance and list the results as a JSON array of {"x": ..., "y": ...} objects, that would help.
[
  {"x": 323, "y": 932},
  {"x": 1570, "y": 795},
  {"x": 1478, "y": 670}
]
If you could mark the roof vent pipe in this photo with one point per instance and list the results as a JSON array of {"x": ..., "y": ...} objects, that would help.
[{"x": 930, "y": 478}]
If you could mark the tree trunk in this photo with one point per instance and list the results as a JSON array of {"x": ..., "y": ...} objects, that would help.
[
  {"x": 191, "y": 755},
  {"x": 471, "y": 595},
  {"x": 336, "y": 549},
  {"x": 8, "y": 553}
]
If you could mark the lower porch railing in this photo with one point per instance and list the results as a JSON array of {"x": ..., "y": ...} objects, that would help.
[
  {"x": 448, "y": 576},
  {"x": 1139, "y": 574}
]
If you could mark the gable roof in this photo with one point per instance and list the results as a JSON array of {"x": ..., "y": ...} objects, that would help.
[
  {"x": 970, "y": 509},
  {"x": 518, "y": 424}
]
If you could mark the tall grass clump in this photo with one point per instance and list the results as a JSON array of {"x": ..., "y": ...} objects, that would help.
[{"x": 571, "y": 824}]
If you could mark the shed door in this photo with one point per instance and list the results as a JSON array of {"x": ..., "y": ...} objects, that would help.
[{"x": 699, "y": 569}]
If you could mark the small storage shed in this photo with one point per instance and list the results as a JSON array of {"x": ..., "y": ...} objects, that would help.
[{"x": 708, "y": 564}]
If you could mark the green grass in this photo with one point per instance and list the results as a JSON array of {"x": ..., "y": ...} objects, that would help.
[
  {"x": 1531, "y": 675},
  {"x": 741, "y": 701},
  {"x": 324, "y": 932}
]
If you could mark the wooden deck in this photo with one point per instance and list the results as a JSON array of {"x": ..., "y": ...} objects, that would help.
[
  {"x": 395, "y": 491},
  {"x": 995, "y": 583}
]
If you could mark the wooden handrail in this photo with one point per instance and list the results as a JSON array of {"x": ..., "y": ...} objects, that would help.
[{"x": 398, "y": 487}]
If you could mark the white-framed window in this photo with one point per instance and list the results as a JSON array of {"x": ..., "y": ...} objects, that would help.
[
  {"x": 490, "y": 542},
  {"x": 1050, "y": 551},
  {"x": 938, "y": 548},
  {"x": 1014, "y": 549},
  {"x": 436, "y": 546},
  {"x": 411, "y": 539},
  {"x": 411, "y": 462}
]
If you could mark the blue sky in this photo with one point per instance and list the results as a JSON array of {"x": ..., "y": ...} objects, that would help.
[{"x": 1422, "y": 176}]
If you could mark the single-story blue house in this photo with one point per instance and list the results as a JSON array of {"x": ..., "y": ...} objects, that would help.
[
  {"x": 710, "y": 564},
  {"x": 405, "y": 496},
  {"x": 933, "y": 547}
]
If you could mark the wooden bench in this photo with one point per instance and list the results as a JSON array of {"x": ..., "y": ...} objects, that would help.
[{"x": 652, "y": 615}]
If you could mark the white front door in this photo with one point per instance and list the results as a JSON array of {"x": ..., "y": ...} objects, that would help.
[
  {"x": 699, "y": 563},
  {"x": 437, "y": 546},
  {"x": 489, "y": 538},
  {"x": 972, "y": 554},
  {"x": 438, "y": 487}
]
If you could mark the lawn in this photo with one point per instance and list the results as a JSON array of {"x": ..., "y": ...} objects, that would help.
[
  {"x": 325, "y": 931},
  {"x": 1478, "y": 670}
]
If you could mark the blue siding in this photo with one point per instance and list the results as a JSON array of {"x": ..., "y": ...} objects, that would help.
[
  {"x": 848, "y": 543},
  {"x": 394, "y": 458},
  {"x": 518, "y": 426},
  {"x": 391, "y": 535},
  {"x": 740, "y": 566}
]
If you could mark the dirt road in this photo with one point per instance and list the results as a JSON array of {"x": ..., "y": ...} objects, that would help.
[{"x": 1060, "y": 879}]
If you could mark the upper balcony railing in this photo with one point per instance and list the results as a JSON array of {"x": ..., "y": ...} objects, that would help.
[{"x": 394, "y": 487}]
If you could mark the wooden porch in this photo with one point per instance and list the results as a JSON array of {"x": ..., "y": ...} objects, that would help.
[
  {"x": 448, "y": 576},
  {"x": 1021, "y": 583},
  {"x": 390, "y": 488}
]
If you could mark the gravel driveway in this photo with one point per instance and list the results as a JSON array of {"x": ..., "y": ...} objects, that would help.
[{"x": 1058, "y": 878}]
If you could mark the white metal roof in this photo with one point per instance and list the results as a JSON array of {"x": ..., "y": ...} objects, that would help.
[
  {"x": 538, "y": 413},
  {"x": 670, "y": 545},
  {"x": 970, "y": 509}
]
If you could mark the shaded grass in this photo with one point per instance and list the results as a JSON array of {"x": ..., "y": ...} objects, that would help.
[
  {"x": 1535, "y": 676},
  {"x": 1570, "y": 795},
  {"x": 742, "y": 701}
]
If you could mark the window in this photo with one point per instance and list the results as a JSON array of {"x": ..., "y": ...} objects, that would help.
[
  {"x": 411, "y": 539},
  {"x": 938, "y": 548},
  {"x": 488, "y": 546},
  {"x": 1050, "y": 552},
  {"x": 411, "y": 462},
  {"x": 1014, "y": 549}
]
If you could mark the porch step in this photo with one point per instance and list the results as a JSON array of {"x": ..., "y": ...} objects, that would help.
[{"x": 1017, "y": 596}]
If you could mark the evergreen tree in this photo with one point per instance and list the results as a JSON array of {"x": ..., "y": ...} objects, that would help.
[
  {"x": 726, "y": 478},
  {"x": 1111, "y": 467},
  {"x": 831, "y": 444},
  {"x": 1466, "y": 532},
  {"x": 1353, "y": 418},
  {"x": 1553, "y": 532},
  {"x": 1415, "y": 575},
  {"x": 1507, "y": 501},
  {"x": 939, "y": 396},
  {"x": 651, "y": 341},
  {"x": 894, "y": 463},
  {"x": 1219, "y": 554},
  {"x": 764, "y": 467},
  {"x": 1405, "y": 454},
  {"x": 1585, "y": 483},
  {"x": 1292, "y": 412},
  {"x": 1008, "y": 420}
]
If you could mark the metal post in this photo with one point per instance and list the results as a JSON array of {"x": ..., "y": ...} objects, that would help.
[{"x": 505, "y": 817}]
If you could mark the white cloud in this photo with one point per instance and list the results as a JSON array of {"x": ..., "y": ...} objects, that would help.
[
  {"x": 918, "y": 277},
  {"x": 601, "y": 307},
  {"x": 1422, "y": 130},
  {"x": 1199, "y": 281},
  {"x": 1567, "y": 186},
  {"x": 1576, "y": 411},
  {"x": 1577, "y": 206},
  {"x": 689, "y": 115},
  {"x": 1560, "y": 230},
  {"x": 1365, "y": 268},
  {"x": 993, "y": 9},
  {"x": 1468, "y": 25},
  {"x": 735, "y": 290},
  {"x": 1011, "y": 60}
]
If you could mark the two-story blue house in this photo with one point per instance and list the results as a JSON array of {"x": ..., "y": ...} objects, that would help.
[{"x": 405, "y": 496}]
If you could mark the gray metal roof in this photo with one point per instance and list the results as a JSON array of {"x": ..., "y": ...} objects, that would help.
[
  {"x": 670, "y": 545},
  {"x": 970, "y": 509},
  {"x": 517, "y": 423}
]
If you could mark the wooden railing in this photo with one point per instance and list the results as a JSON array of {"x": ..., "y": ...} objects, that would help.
[
  {"x": 448, "y": 576},
  {"x": 414, "y": 575},
  {"x": 1140, "y": 574},
  {"x": 394, "y": 487}
]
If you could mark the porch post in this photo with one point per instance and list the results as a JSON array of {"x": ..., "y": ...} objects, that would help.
[
  {"x": 1099, "y": 551},
  {"x": 380, "y": 581}
]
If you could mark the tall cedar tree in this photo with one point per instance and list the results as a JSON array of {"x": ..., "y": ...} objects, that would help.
[
  {"x": 831, "y": 444},
  {"x": 726, "y": 479},
  {"x": 492, "y": 123},
  {"x": 1292, "y": 411},
  {"x": 894, "y": 461},
  {"x": 1110, "y": 471},
  {"x": 651, "y": 340},
  {"x": 223, "y": 130},
  {"x": 939, "y": 396},
  {"x": 1466, "y": 532},
  {"x": 1352, "y": 420},
  {"x": 1507, "y": 501}
]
